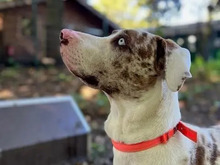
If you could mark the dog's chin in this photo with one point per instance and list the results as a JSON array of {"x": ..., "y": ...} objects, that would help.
[
  {"x": 88, "y": 80},
  {"x": 70, "y": 66},
  {"x": 74, "y": 72}
]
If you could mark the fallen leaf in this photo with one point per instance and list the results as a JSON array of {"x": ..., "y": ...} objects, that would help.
[
  {"x": 88, "y": 93},
  {"x": 6, "y": 94}
]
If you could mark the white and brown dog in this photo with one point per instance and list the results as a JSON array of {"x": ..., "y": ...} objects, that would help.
[{"x": 141, "y": 73}]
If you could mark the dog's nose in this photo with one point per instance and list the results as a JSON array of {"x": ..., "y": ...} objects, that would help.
[
  {"x": 67, "y": 34},
  {"x": 63, "y": 40},
  {"x": 61, "y": 35}
]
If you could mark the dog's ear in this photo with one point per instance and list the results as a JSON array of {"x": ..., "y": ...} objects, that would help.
[{"x": 174, "y": 61}]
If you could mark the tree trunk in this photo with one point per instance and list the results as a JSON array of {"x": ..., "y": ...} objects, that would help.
[
  {"x": 54, "y": 25},
  {"x": 35, "y": 40}
]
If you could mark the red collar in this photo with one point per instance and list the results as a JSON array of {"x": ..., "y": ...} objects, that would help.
[{"x": 186, "y": 131}]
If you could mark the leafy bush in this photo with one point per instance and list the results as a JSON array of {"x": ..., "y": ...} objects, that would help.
[
  {"x": 206, "y": 70},
  {"x": 98, "y": 105},
  {"x": 9, "y": 73}
]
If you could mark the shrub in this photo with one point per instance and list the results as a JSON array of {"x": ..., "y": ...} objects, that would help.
[{"x": 206, "y": 70}]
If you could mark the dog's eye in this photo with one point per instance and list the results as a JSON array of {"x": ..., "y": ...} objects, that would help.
[{"x": 121, "y": 41}]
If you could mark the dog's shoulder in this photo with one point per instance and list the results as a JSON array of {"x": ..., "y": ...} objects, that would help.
[{"x": 207, "y": 149}]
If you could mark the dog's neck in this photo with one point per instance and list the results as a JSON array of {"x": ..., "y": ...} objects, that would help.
[{"x": 133, "y": 121}]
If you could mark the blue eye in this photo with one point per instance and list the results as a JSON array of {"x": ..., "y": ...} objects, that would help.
[{"x": 121, "y": 41}]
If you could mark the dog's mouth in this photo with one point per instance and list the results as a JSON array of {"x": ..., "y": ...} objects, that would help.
[
  {"x": 71, "y": 65},
  {"x": 67, "y": 61}
]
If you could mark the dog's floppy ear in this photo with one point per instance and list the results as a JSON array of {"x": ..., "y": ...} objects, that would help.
[{"x": 174, "y": 61}]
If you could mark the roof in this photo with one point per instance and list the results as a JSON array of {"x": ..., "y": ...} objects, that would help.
[
  {"x": 31, "y": 121},
  {"x": 16, "y": 3},
  {"x": 19, "y": 3},
  {"x": 188, "y": 29}
]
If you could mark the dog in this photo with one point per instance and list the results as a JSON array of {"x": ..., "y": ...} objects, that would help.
[{"x": 141, "y": 74}]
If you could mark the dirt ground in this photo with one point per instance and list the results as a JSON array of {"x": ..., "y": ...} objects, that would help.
[{"x": 199, "y": 102}]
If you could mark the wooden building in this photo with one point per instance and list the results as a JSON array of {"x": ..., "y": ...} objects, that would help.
[{"x": 16, "y": 26}]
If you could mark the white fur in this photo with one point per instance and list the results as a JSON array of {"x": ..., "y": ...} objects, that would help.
[
  {"x": 132, "y": 122},
  {"x": 177, "y": 68},
  {"x": 157, "y": 111}
]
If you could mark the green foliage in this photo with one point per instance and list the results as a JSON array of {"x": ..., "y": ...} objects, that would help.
[
  {"x": 102, "y": 100},
  {"x": 26, "y": 26},
  {"x": 138, "y": 13},
  {"x": 99, "y": 103},
  {"x": 82, "y": 103},
  {"x": 126, "y": 13},
  {"x": 206, "y": 70},
  {"x": 97, "y": 150},
  {"x": 9, "y": 73},
  {"x": 64, "y": 77},
  {"x": 195, "y": 89}
]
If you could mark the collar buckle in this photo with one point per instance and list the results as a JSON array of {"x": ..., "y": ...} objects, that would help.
[{"x": 164, "y": 138}]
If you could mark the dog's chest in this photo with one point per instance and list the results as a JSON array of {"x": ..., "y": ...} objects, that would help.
[
  {"x": 179, "y": 150},
  {"x": 158, "y": 157}
]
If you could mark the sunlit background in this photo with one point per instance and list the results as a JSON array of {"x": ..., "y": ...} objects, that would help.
[{"x": 30, "y": 63}]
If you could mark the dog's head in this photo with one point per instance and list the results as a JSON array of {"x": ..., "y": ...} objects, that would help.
[{"x": 127, "y": 63}]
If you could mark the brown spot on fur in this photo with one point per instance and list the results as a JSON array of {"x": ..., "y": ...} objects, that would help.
[
  {"x": 110, "y": 89},
  {"x": 171, "y": 44},
  {"x": 128, "y": 59},
  {"x": 137, "y": 76},
  {"x": 149, "y": 69},
  {"x": 91, "y": 80},
  {"x": 214, "y": 154},
  {"x": 152, "y": 80},
  {"x": 139, "y": 59},
  {"x": 143, "y": 53},
  {"x": 116, "y": 64},
  {"x": 144, "y": 34},
  {"x": 131, "y": 33},
  {"x": 101, "y": 72},
  {"x": 149, "y": 50},
  {"x": 160, "y": 59},
  {"x": 125, "y": 74},
  {"x": 200, "y": 155},
  {"x": 145, "y": 65},
  {"x": 141, "y": 39},
  {"x": 141, "y": 82},
  {"x": 213, "y": 138}
]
